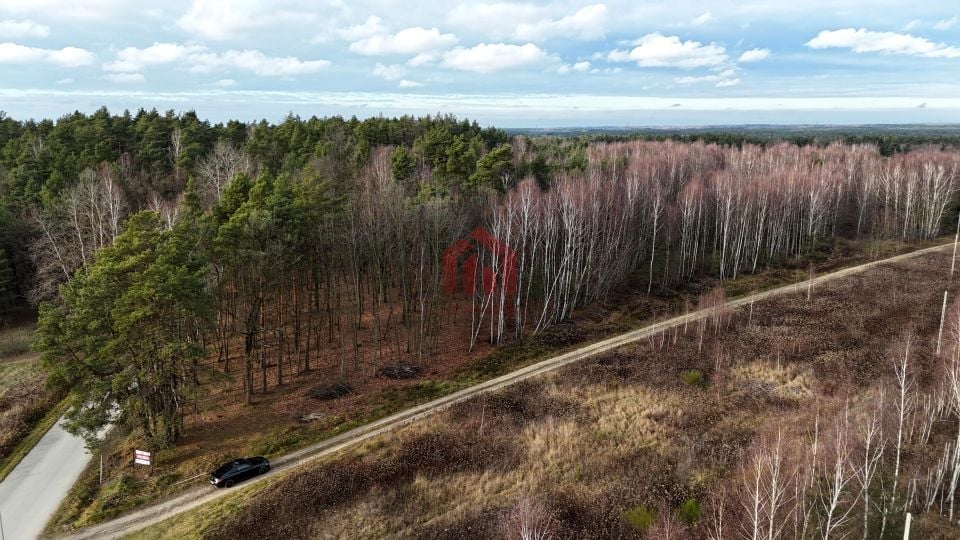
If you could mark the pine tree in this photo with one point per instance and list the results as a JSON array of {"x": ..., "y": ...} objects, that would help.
[
  {"x": 8, "y": 286},
  {"x": 126, "y": 334}
]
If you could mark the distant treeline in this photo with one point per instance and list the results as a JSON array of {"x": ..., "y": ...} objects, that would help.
[{"x": 889, "y": 139}]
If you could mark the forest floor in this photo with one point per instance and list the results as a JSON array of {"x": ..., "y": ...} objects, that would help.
[
  {"x": 608, "y": 446},
  {"x": 287, "y": 418}
]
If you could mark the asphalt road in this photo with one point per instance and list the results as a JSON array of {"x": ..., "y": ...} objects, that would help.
[
  {"x": 32, "y": 491},
  {"x": 200, "y": 495}
]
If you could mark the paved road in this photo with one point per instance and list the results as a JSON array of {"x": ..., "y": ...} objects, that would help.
[
  {"x": 195, "y": 497},
  {"x": 32, "y": 491}
]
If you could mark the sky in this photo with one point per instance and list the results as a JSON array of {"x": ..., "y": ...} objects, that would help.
[{"x": 510, "y": 64}]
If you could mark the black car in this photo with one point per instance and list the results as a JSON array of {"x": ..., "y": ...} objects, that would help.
[{"x": 238, "y": 470}]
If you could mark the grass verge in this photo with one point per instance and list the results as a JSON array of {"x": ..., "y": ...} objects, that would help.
[
  {"x": 8, "y": 463},
  {"x": 193, "y": 524},
  {"x": 15, "y": 341}
]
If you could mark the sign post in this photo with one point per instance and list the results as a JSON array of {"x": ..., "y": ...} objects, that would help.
[{"x": 141, "y": 457}]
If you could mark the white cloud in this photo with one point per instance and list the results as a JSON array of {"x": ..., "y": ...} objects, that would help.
[
  {"x": 70, "y": 57},
  {"x": 224, "y": 83},
  {"x": 70, "y": 9},
  {"x": 422, "y": 59},
  {"x": 407, "y": 41},
  {"x": 946, "y": 24},
  {"x": 912, "y": 24},
  {"x": 125, "y": 78},
  {"x": 721, "y": 79},
  {"x": 67, "y": 80},
  {"x": 372, "y": 26},
  {"x": 865, "y": 41},
  {"x": 22, "y": 29},
  {"x": 200, "y": 59},
  {"x": 388, "y": 73},
  {"x": 586, "y": 24},
  {"x": 754, "y": 55},
  {"x": 685, "y": 81},
  {"x": 221, "y": 19},
  {"x": 657, "y": 50},
  {"x": 579, "y": 67},
  {"x": 133, "y": 59},
  {"x": 492, "y": 57},
  {"x": 409, "y": 84},
  {"x": 609, "y": 70},
  {"x": 491, "y": 17},
  {"x": 257, "y": 62},
  {"x": 702, "y": 19},
  {"x": 12, "y": 53}
]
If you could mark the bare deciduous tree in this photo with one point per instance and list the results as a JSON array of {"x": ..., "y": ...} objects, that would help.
[
  {"x": 71, "y": 233},
  {"x": 529, "y": 520},
  {"x": 219, "y": 167}
]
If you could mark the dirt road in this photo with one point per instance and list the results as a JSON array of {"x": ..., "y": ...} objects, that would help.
[{"x": 195, "y": 497}]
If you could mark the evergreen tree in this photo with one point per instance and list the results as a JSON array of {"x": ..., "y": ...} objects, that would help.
[
  {"x": 8, "y": 286},
  {"x": 126, "y": 337},
  {"x": 402, "y": 164},
  {"x": 493, "y": 170}
]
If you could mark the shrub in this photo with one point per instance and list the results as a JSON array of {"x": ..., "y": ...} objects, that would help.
[
  {"x": 400, "y": 371},
  {"x": 694, "y": 377},
  {"x": 326, "y": 392},
  {"x": 689, "y": 511},
  {"x": 561, "y": 335},
  {"x": 529, "y": 519},
  {"x": 640, "y": 518}
]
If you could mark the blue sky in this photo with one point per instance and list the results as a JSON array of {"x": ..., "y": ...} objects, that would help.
[{"x": 530, "y": 64}]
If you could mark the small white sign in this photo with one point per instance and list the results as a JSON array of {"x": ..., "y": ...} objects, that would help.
[{"x": 140, "y": 457}]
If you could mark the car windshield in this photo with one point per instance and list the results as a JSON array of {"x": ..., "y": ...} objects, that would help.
[{"x": 225, "y": 468}]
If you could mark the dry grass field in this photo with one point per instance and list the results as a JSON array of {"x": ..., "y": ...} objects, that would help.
[
  {"x": 24, "y": 397},
  {"x": 653, "y": 439}
]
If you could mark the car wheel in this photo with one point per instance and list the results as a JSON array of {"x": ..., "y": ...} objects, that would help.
[
  {"x": 264, "y": 469},
  {"x": 228, "y": 484}
]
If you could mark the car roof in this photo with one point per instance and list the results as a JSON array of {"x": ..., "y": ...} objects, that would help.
[{"x": 238, "y": 461}]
